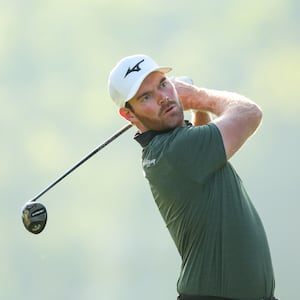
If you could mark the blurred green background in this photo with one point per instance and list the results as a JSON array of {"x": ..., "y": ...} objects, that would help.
[{"x": 105, "y": 238}]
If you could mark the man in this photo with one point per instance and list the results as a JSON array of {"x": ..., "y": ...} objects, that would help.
[{"x": 216, "y": 229}]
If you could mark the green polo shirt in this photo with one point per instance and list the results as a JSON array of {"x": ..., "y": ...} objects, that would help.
[{"x": 209, "y": 215}]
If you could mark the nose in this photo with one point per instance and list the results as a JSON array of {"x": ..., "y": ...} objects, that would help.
[{"x": 163, "y": 100}]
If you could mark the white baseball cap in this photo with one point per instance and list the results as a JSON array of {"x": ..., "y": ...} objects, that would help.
[{"x": 128, "y": 74}]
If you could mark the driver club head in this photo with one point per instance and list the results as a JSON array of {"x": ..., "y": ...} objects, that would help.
[{"x": 34, "y": 216}]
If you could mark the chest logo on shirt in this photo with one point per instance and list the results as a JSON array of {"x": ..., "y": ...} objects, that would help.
[{"x": 149, "y": 162}]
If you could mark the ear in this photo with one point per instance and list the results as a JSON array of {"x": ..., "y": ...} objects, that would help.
[
  {"x": 127, "y": 114},
  {"x": 131, "y": 117}
]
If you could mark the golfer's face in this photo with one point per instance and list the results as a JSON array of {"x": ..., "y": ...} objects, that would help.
[{"x": 156, "y": 103}]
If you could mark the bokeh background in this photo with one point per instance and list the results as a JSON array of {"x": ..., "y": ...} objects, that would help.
[{"x": 105, "y": 238}]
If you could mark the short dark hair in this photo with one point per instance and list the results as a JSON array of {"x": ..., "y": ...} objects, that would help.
[{"x": 128, "y": 105}]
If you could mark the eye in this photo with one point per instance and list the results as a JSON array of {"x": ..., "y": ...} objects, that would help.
[
  {"x": 146, "y": 97},
  {"x": 163, "y": 84}
]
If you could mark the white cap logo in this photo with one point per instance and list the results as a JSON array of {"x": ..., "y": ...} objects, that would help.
[{"x": 136, "y": 68}]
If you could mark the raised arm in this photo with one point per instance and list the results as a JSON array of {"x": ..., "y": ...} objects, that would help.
[{"x": 237, "y": 117}]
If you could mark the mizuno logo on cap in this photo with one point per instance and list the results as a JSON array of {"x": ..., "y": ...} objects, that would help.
[{"x": 136, "y": 68}]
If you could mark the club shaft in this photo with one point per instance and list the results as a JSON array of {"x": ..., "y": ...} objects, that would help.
[{"x": 83, "y": 160}]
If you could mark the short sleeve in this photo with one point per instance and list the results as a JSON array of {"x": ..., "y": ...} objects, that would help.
[{"x": 197, "y": 151}]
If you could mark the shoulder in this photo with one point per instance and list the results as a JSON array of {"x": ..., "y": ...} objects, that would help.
[
  {"x": 197, "y": 134},
  {"x": 188, "y": 139}
]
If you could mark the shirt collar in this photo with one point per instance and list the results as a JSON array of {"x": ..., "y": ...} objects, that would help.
[{"x": 144, "y": 138}]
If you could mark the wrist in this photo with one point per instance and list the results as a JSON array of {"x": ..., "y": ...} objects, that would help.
[
  {"x": 199, "y": 101},
  {"x": 200, "y": 117}
]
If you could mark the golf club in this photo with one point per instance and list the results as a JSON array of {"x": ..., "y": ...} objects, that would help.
[{"x": 34, "y": 214}]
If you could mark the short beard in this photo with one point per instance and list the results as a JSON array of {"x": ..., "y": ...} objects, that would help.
[{"x": 151, "y": 124}]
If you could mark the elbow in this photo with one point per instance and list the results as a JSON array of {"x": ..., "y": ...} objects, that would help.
[{"x": 259, "y": 115}]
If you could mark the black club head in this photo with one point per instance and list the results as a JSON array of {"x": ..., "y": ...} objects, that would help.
[{"x": 34, "y": 216}]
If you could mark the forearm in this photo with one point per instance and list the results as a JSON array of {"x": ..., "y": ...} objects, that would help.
[
  {"x": 237, "y": 117},
  {"x": 225, "y": 104},
  {"x": 212, "y": 101}
]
